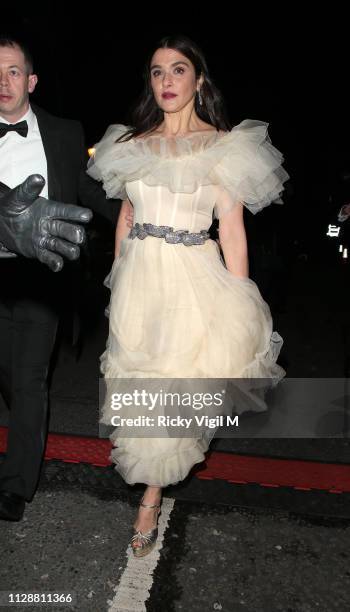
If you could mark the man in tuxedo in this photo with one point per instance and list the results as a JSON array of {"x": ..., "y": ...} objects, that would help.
[{"x": 31, "y": 295}]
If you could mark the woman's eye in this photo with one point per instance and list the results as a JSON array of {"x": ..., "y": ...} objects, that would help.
[{"x": 177, "y": 70}]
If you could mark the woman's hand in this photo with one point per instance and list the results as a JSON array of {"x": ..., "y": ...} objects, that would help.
[{"x": 129, "y": 216}]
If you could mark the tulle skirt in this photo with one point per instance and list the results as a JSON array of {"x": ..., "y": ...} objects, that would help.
[{"x": 175, "y": 312}]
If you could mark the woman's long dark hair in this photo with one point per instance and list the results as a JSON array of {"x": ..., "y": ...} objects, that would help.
[{"x": 147, "y": 115}]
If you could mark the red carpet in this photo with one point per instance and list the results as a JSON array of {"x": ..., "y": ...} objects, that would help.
[{"x": 298, "y": 474}]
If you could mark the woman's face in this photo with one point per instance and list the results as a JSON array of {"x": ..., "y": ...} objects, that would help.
[{"x": 173, "y": 80}]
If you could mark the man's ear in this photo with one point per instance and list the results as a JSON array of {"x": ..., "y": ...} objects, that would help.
[{"x": 32, "y": 81}]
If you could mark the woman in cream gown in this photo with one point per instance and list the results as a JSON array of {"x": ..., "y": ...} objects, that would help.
[{"x": 179, "y": 311}]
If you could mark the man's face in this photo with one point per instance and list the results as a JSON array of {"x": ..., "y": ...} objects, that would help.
[{"x": 15, "y": 84}]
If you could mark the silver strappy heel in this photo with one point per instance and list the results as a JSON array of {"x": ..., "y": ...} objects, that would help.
[{"x": 148, "y": 539}]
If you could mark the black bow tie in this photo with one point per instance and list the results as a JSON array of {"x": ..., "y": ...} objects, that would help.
[{"x": 21, "y": 128}]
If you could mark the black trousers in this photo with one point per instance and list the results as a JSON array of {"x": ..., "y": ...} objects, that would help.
[{"x": 27, "y": 337}]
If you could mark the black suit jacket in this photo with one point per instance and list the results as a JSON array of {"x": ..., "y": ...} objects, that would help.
[{"x": 66, "y": 156}]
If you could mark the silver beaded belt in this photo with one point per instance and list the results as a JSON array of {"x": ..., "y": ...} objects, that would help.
[{"x": 164, "y": 231}]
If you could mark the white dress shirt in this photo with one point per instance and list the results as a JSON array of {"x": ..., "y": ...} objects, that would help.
[{"x": 20, "y": 157}]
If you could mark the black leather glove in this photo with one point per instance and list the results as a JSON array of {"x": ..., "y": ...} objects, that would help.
[{"x": 39, "y": 228}]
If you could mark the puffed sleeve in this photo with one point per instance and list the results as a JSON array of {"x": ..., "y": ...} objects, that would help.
[
  {"x": 102, "y": 165},
  {"x": 250, "y": 169}
]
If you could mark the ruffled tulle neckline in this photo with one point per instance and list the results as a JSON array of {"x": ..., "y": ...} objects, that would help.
[
  {"x": 242, "y": 161},
  {"x": 178, "y": 146}
]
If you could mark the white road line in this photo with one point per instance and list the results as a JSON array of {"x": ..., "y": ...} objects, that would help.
[{"x": 136, "y": 581}]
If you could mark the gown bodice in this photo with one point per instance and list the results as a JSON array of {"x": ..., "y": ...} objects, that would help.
[{"x": 159, "y": 206}]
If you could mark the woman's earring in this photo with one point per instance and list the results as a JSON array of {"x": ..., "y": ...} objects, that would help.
[{"x": 200, "y": 99}]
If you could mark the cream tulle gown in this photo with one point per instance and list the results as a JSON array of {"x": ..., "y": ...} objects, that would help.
[{"x": 175, "y": 311}]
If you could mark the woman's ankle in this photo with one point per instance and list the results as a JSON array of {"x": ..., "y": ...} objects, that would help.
[{"x": 152, "y": 495}]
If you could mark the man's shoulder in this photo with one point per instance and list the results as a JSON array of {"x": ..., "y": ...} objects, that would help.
[{"x": 53, "y": 120}]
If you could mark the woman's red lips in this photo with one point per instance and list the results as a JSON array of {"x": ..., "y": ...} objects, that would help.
[{"x": 168, "y": 95}]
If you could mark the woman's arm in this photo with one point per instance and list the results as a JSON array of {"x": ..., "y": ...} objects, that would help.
[
  {"x": 233, "y": 241},
  {"x": 123, "y": 226}
]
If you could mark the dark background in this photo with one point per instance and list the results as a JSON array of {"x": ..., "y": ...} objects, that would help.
[{"x": 277, "y": 66}]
